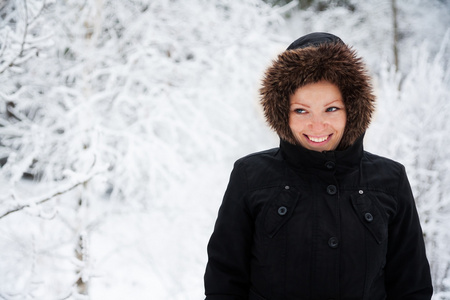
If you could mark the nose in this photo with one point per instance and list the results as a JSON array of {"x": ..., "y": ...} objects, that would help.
[{"x": 317, "y": 122}]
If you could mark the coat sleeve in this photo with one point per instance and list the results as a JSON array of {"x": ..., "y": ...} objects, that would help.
[
  {"x": 407, "y": 270},
  {"x": 227, "y": 270}
]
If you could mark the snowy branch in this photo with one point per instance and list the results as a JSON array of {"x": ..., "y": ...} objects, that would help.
[{"x": 48, "y": 198}]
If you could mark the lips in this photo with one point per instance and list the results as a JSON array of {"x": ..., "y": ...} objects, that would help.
[{"x": 319, "y": 139}]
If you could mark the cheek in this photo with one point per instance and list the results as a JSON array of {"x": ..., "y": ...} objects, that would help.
[
  {"x": 291, "y": 123},
  {"x": 296, "y": 124},
  {"x": 342, "y": 125},
  {"x": 341, "y": 122}
]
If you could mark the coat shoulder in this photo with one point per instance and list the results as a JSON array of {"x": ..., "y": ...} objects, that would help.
[
  {"x": 262, "y": 169},
  {"x": 258, "y": 157},
  {"x": 383, "y": 173},
  {"x": 381, "y": 161}
]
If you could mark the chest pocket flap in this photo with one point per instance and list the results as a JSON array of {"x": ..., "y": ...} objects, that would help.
[
  {"x": 371, "y": 214},
  {"x": 280, "y": 209}
]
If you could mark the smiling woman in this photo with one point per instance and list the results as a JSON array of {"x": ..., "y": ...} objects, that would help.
[
  {"x": 318, "y": 217},
  {"x": 317, "y": 116}
]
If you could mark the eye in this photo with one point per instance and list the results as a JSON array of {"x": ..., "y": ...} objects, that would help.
[
  {"x": 331, "y": 109},
  {"x": 299, "y": 111}
]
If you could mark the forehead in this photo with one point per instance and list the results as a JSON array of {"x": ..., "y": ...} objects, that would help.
[{"x": 322, "y": 91}]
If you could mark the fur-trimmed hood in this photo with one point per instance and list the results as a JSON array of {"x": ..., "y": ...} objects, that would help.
[{"x": 309, "y": 59}]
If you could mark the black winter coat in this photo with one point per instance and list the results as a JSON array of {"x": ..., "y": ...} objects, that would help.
[{"x": 299, "y": 224}]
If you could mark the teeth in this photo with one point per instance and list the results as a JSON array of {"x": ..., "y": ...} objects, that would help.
[{"x": 318, "y": 140}]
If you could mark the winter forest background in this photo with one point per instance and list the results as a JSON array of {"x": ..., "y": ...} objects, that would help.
[{"x": 120, "y": 122}]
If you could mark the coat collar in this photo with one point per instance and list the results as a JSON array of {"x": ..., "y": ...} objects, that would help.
[{"x": 341, "y": 161}]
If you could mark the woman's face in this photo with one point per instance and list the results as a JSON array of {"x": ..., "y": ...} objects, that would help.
[{"x": 317, "y": 116}]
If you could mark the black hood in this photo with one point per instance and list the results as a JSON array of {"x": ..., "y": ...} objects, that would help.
[{"x": 314, "y": 39}]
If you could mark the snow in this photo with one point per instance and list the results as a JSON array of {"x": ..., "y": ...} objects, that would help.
[{"x": 128, "y": 115}]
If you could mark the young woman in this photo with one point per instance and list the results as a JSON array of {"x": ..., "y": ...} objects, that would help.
[{"x": 318, "y": 217}]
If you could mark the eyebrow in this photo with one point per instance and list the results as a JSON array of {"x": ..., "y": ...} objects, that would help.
[
  {"x": 298, "y": 103},
  {"x": 333, "y": 102}
]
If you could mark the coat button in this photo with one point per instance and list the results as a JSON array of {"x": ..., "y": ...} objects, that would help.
[
  {"x": 282, "y": 210},
  {"x": 330, "y": 165},
  {"x": 331, "y": 189},
  {"x": 333, "y": 242},
  {"x": 368, "y": 217}
]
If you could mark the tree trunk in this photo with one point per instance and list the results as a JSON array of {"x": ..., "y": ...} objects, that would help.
[
  {"x": 395, "y": 33},
  {"x": 80, "y": 254}
]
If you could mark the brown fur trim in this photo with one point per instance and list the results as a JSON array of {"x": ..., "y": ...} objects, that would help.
[{"x": 333, "y": 62}]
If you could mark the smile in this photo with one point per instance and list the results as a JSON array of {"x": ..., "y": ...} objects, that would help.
[{"x": 318, "y": 139}]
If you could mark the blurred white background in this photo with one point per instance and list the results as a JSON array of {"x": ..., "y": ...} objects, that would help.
[{"x": 120, "y": 122}]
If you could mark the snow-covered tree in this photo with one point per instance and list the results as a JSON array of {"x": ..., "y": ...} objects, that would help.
[
  {"x": 120, "y": 120},
  {"x": 123, "y": 103}
]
